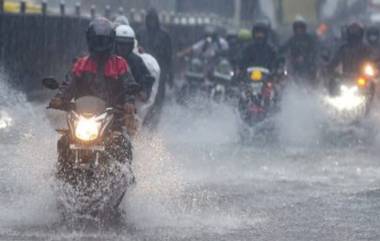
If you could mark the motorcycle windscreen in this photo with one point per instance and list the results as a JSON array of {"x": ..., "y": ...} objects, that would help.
[
  {"x": 90, "y": 105},
  {"x": 224, "y": 71}
]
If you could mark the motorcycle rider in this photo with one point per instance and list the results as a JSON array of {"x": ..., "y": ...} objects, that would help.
[
  {"x": 208, "y": 48},
  {"x": 101, "y": 74},
  {"x": 260, "y": 52},
  {"x": 351, "y": 55},
  {"x": 208, "y": 53},
  {"x": 125, "y": 44},
  {"x": 301, "y": 50},
  {"x": 157, "y": 42},
  {"x": 144, "y": 68}
]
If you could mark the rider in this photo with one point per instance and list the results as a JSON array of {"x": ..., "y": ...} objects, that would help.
[
  {"x": 302, "y": 51},
  {"x": 260, "y": 52},
  {"x": 352, "y": 53},
  {"x": 101, "y": 74},
  {"x": 210, "y": 47},
  {"x": 125, "y": 44}
]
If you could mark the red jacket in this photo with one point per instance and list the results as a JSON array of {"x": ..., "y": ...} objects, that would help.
[{"x": 111, "y": 84}]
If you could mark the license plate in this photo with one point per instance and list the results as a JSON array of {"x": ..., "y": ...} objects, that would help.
[{"x": 85, "y": 147}]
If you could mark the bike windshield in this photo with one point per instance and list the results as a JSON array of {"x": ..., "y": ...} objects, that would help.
[
  {"x": 196, "y": 65},
  {"x": 90, "y": 105},
  {"x": 224, "y": 68}
]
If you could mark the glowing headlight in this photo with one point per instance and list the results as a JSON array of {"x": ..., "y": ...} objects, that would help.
[
  {"x": 256, "y": 75},
  {"x": 348, "y": 99},
  {"x": 369, "y": 70},
  {"x": 87, "y": 129},
  {"x": 5, "y": 120}
]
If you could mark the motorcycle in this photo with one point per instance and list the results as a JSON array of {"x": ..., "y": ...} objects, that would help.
[
  {"x": 222, "y": 78},
  {"x": 258, "y": 100},
  {"x": 195, "y": 79},
  {"x": 352, "y": 95},
  {"x": 94, "y": 161}
]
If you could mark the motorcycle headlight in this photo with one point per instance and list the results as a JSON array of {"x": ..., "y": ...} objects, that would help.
[
  {"x": 256, "y": 75},
  {"x": 348, "y": 99},
  {"x": 369, "y": 70},
  {"x": 87, "y": 129},
  {"x": 5, "y": 120},
  {"x": 361, "y": 82}
]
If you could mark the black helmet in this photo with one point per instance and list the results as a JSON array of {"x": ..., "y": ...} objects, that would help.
[
  {"x": 260, "y": 32},
  {"x": 373, "y": 35},
  {"x": 355, "y": 32},
  {"x": 100, "y": 36},
  {"x": 152, "y": 20},
  {"x": 299, "y": 25},
  {"x": 212, "y": 31}
]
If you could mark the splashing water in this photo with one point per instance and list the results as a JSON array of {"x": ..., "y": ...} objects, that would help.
[
  {"x": 299, "y": 120},
  {"x": 25, "y": 172},
  {"x": 194, "y": 181}
]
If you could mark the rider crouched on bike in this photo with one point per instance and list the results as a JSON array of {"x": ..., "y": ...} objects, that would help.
[
  {"x": 260, "y": 52},
  {"x": 101, "y": 74},
  {"x": 209, "y": 49},
  {"x": 351, "y": 55}
]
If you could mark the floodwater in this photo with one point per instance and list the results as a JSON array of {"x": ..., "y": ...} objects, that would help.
[{"x": 196, "y": 181}]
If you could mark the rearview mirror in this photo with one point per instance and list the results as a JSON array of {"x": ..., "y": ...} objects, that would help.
[{"x": 50, "y": 83}]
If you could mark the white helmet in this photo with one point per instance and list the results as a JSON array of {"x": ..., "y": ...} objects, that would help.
[
  {"x": 121, "y": 20},
  {"x": 125, "y": 31}
]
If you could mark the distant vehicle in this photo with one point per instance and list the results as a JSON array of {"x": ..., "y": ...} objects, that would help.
[{"x": 222, "y": 79}]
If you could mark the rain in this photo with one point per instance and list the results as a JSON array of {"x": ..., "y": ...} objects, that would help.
[{"x": 240, "y": 129}]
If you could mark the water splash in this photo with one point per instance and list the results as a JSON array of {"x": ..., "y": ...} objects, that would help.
[{"x": 25, "y": 171}]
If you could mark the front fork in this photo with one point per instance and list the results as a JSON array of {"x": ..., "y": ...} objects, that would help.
[{"x": 86, "y": 164}]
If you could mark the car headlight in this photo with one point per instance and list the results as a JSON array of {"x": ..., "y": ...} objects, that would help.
[{"x": 87, "y": 129}]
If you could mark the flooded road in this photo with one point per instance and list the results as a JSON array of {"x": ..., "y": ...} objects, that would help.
[{"x": 195, "y": 181}]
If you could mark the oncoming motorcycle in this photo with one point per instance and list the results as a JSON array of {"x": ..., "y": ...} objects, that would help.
[
  {"x": 258, "y": 98},
  {"x": 352, "y": 95},
  {"x": 93, "y": 168},
  {"x": 222, "y": 79}
]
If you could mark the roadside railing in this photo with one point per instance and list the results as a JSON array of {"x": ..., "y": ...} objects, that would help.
[{"x": 134, "y": 15}]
